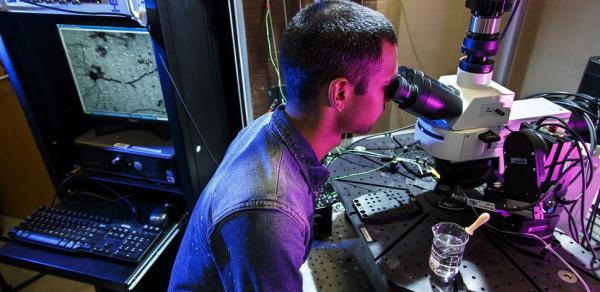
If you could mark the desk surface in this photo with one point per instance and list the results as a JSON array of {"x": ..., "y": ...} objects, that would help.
[
  {"x": 97, "y": 271},
  {"x": 92, "y": 270},
  {"x": 399, "y": 251}
]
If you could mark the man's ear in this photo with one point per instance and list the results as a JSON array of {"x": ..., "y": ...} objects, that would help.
[{"x": 338, "y": 93}]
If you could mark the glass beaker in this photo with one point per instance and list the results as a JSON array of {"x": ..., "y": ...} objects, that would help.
[{"x": 449, "y": 240}]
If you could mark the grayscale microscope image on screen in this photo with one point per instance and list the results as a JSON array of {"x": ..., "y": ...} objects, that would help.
[{"x": 114, "y": 71}]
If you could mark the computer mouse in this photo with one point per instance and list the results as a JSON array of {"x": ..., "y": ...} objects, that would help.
[{"x": 160, "y": 215}]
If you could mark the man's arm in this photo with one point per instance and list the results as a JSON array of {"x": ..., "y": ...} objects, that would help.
[{"x": 259, "y": 250}]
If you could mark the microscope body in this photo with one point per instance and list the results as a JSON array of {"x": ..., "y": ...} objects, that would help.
[
  {"x": 476, "y": 133},
  {"x": 463, "y": 122}
]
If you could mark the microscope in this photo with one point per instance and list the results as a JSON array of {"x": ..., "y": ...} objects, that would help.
[{"x": 510, "y": 158}]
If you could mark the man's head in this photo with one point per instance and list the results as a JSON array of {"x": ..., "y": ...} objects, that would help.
[{"x": 342, "y": 51}]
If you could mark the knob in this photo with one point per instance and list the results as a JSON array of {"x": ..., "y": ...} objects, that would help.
[{"x": 138, "y": 165}]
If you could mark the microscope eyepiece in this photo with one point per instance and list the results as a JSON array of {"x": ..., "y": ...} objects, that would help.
[{"x": 422, "y": 96}]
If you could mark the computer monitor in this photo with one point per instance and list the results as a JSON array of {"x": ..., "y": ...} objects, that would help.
[{"x": 114, "y": 71}]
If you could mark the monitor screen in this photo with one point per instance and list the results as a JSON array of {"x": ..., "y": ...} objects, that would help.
[{"x": 114, "y": 71}]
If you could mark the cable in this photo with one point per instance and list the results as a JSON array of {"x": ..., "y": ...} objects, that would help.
[
  {"x": 187, "y": 111},
  {"x": 412, "y": 162},
  {"x": 546, "y": 246},
  {"x": 580, "y": 172},
  {"x": 341, "y": 156},
  {"x": 272, "y": 33},
  {"x": 412, "y": 172},
  {"x": 583, "y": 191},
  {"x": 104, "y": 198},
  {"x": 572, "y": 225},
  {"x": 368, "y": 153},
  {"x": 562, "y": 93},
  {"x": 109, "y": 189},
  {"x": 379, "y": 134},
  {"x": 509, "y": 20},
  {"x": 367, "y": 137},
  {"x": 275, "y": 66},
  {"x": 569, "y": 103},
  {"x": 565, "y": 126},
  {"x": 125, "y": 199},
  {"x": 593, "y": 215},
  {"x": 581, "y": 105},
  {"x": 545, "y": 196},
  {"x": 78, "y": 12},
  {"x": 551, "y": 189},
  {"x": 59, "y": 188},
  {"x": 587, "y": 116},
  {"x": 121, "y": 197},
  {"x": 285, "y": 16},
  {"x": 379, "y": 155},
  {"x": 160, "y": 57},
  {"x": 584, "y": 227},
  {"x": 364, "y": 172},
  {"x": 394, "y": 160}
]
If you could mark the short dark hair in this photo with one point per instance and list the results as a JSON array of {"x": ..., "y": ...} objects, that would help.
[{"x": 331, "y": 39}]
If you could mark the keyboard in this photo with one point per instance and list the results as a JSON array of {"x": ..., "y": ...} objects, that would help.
[{"x": 85, "y": 233}]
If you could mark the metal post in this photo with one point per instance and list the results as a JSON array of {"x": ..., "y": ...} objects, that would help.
[{"x": 508, "y": 45}]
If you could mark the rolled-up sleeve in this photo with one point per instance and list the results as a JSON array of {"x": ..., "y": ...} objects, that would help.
[{"x": 260, "y": 250}]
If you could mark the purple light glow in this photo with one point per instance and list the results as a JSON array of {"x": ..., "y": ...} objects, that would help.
[{"x": 435, "y": 104}]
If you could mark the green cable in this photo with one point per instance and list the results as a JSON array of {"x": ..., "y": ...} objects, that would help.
[
  {"x": 368, "y": 171},
  {"x": 267, "y": 16},
  {"x": 367, "y": 153}
]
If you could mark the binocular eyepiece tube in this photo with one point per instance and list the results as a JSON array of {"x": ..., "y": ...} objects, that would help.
[{"x": 423, "y": 96}]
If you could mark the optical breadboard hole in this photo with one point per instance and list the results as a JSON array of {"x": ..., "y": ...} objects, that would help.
[{"x": 333, "y": 266}]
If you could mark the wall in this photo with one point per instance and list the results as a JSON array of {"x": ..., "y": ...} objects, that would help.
[
  {"x": 557, "y": 38},
  {"x": 24, "y": 181},
  {"x": 262, "y": 74},
  {"x": 429, "y": 37}
]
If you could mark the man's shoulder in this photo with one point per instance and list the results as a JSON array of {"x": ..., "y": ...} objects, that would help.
[
  {"x": 260, "y": 157},
  {"x": 258, "y": 172}
]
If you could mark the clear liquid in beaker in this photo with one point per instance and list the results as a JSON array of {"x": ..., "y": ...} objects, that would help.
[{"x": 446, "y": 254}]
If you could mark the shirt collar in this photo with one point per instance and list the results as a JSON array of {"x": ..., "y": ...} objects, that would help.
[{"x": 316, "y": 174}]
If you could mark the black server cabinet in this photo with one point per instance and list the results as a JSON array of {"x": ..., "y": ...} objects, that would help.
[{"x": 196, "y": 41}]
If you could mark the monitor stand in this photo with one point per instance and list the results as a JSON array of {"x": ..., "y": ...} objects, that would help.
[{"x": 161, "y": 131}]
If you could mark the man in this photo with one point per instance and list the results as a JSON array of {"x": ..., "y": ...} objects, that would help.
[{"x": 251, "y": 227}]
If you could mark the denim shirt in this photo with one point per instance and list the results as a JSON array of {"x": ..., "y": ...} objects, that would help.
[{"x": 251, "y": 228}]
